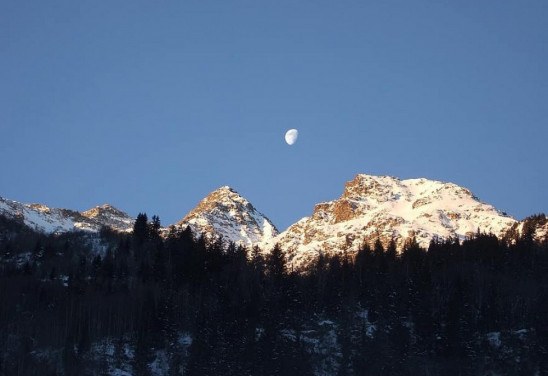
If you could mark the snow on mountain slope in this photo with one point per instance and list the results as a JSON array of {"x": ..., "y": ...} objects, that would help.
[
  {"x": 370, "y": 208},
  {"x": 386, "y": 207},
  {"x": 51, "y": 220},
  {"x": 109, "y": 216},
  {"x": 226, "y": 214}
]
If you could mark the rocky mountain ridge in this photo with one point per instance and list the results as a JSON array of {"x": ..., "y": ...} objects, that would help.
[
  {"x": 53, "y": 220},
  {"x": 225, "y": 213},
  {"x": 386, "y": 208},
  {"x": 370, "y": 208}
]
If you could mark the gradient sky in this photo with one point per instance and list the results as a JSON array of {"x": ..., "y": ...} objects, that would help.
[{"x": 151, "y": 105}]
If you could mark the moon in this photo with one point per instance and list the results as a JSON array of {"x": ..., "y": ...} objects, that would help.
[{"x": 291, "y": 136}]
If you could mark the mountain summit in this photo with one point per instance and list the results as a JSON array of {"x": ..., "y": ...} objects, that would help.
[
  {"x": 109, "y": 216},
  {"x": 224, "y": 213},
  {"x": 385, "y": 208},
  {"x": 370, "y": 208},
  {"x": 52, "y": 220}
]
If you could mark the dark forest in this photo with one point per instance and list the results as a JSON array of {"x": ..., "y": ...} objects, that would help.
[{"x": 153, "y": 302}]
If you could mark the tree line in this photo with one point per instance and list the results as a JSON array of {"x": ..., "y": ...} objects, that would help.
[{"x": 456, "y": 308}]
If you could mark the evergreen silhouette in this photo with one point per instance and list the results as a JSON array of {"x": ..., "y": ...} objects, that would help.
[{"x": 469, "y": 308}]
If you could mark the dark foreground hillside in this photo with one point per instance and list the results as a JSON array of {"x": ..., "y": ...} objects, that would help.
[{"x": 140, "y": 304}]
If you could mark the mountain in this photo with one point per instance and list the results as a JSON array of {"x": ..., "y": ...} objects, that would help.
[
  {"x": 109, "y": 216},
  {"x": 226, "y": 214},
  {"x": 51, "y": 220},
  {"x": 370, "y": 208},
  {"x": 385, "y": 208}
]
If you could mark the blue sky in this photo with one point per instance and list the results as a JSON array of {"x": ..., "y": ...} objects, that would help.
[{"x": 151, "y": 105}]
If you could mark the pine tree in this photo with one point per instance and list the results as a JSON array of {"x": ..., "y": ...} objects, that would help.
[
  {"x": 154, "y": 228},
  {"x": 140, "y": 228},
  {"x": 276, "y": 264}
]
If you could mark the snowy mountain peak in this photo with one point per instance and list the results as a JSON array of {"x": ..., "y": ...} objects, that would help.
[
  {"x": 390, "y": 188},
  {"x": 102, "y": 210},
  {"x": 108, "y": 215},
  {"x": 52, "y": 220},
  {"x": 225, "y": 213},
  {"x": 385, "y": 208},
  {"x": 223, "y": 199}
]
